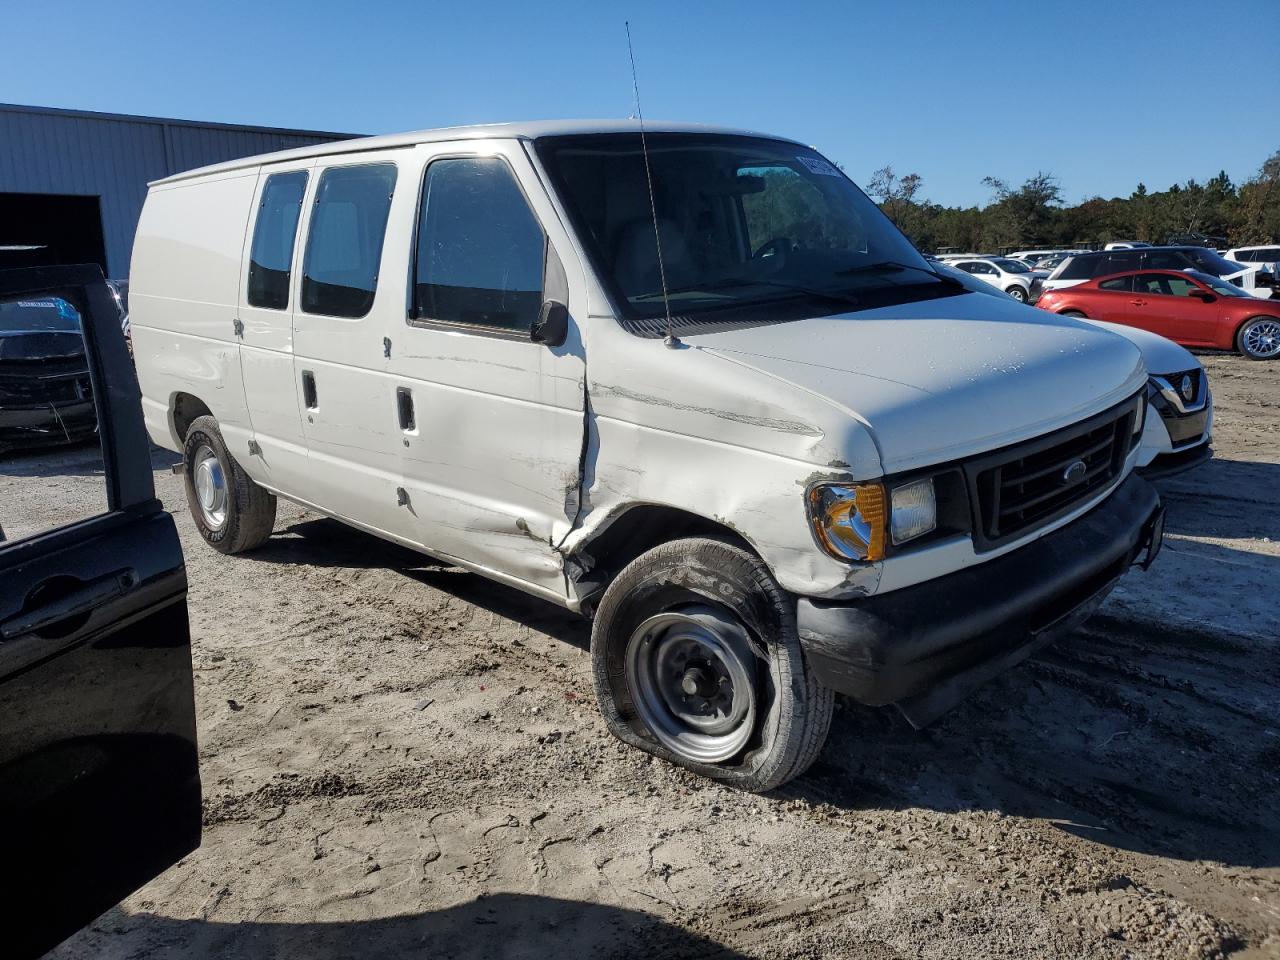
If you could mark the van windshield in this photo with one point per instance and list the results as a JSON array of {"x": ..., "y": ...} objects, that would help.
[{"x": 743, "y": 223}]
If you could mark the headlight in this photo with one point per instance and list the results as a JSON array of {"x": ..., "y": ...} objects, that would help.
[
  {"x": 849, "y": 519},
  {"x": 914, "y": 512},
  {"x": 855, "y": 521}
]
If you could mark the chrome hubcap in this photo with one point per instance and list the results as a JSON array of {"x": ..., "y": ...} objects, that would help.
[
  {"x": 210, "y": 484},
  {"x": 1262, "y": 338},
  {"x": 692, "y": 677}
]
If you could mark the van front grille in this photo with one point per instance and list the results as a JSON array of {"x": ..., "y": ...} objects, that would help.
[{"x": 1027, "y": 485}]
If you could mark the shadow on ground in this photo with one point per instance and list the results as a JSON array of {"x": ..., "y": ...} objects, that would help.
[
  {"x": 506, "y": 925},
  {"x": 1200, "y": 506},
  {"x": 329, "y": 543},
  {"x": 72, "y": 460}
]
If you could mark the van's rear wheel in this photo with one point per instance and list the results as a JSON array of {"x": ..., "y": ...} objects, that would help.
[
  {"x": 231, "y": 512},
  {"x": 696, "y": 659}
]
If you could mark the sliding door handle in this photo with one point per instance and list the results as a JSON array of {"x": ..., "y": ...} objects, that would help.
[
  {"x": 309, "y": 396},
  {"x": 404, "y": 408}
]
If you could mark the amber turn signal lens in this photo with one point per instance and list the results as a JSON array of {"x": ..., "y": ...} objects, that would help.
[{"x": 850, "y": 520}]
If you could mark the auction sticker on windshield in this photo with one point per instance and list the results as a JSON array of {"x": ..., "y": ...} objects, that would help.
[{"x": 817, "y": 165}]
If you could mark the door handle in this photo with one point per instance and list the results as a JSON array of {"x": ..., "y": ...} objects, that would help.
[
  {"x": 78, "y": 602},
  {"x": 309, "y": 396},
  {"x": 404, "y": 407},
  {"x": 1138, "y": 303}
]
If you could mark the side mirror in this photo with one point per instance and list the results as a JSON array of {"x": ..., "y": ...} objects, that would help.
[
  {"x": 1203, "y": 295},
  {"x": 552, "y": 326}
]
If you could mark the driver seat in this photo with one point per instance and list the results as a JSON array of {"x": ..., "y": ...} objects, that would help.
[{"x": 635, "y": 261}]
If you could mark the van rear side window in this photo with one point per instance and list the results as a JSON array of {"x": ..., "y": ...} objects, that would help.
[
  {"x": 344, "y": 242},
  {"x": 271, "y": 256},
  {"x": 480, "y": 248}
]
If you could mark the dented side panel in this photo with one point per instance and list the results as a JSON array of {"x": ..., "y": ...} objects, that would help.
[
  {"x": 490, "y": 467},
  {"x": 687, "y": 429}
]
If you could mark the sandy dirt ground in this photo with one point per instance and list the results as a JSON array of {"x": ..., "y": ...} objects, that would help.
[{"x": 404, "y": 760}]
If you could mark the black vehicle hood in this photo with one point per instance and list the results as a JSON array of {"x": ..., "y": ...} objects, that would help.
[{"x": 40, "y": 345}]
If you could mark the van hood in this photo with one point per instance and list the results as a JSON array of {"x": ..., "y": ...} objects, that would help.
[
  {"x": 943, "y": 379},
  {"x": 1160, "y": 355}
]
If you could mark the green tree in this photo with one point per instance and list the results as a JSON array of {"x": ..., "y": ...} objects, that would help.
[
  {"x": 1025, "y": 215},
  {"x": 1034, "y": 214}
]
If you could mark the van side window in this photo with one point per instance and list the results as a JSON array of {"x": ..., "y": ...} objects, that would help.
[
  {"x": 271, "y": 256},
  {"x": 344, "y": 241},
  {"x": 480, "y": 249}
]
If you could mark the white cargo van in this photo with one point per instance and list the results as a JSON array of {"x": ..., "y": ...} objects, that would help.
[{"x": 693, "y": 385}]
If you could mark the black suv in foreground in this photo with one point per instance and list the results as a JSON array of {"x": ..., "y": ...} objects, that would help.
[{"x": 99, "y": 781}]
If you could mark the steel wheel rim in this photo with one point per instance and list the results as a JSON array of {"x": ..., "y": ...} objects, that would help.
[
  {"x": 210, "y": 483},
  {"x": 691, "y": 673},
  {"x": 1262, "y": 338}
]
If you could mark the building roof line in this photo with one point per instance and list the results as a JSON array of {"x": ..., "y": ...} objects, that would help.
[{"x": 173, "y": 121}]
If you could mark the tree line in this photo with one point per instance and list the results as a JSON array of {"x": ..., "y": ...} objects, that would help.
[{"x": 1034, "y": 215}]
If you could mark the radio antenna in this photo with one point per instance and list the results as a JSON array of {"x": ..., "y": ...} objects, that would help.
[{"x": 671, "y": 339}]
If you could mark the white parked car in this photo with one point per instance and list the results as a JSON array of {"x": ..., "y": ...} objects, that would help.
[
  {"x": 1126, "y": 245},
  {"x": 1269, "y": 254},
  {"x": 1264, "y": 261},
  {"x": 1012, "y": 276},
  {"x": 734, "y": 417},
  {"x": 1180, "y": 437}
]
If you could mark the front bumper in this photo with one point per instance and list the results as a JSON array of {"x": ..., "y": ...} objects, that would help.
[
  {"x": 34, "y": 425},
  {"x": 1170, "y": 464},
  {"x": 925, "y": 648}
]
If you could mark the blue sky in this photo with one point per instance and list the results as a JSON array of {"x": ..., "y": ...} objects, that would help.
[{"x": 1101, "y": 94}]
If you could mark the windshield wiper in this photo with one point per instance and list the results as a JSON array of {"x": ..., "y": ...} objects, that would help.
[
  {"x": 727, "y": 282},
  {"x": 892, "y": 266}
]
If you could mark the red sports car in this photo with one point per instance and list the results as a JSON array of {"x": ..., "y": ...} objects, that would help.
[{"x": 1189, "y": 307}]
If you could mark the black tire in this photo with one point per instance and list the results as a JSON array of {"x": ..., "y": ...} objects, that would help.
[
  {"x": 792, "y": 710},
  {"x": 1017, "y": 293},
  {"x": 250, "y": 511},
  {"x": 1074, "y": 313},
  {"x": 1243, "y": 346}
]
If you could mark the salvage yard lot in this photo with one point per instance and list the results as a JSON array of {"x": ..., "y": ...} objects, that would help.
[{"x": 403, "y": 759}]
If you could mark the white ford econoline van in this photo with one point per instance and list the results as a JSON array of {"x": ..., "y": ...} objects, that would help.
[{"x": 706, "y": 394}]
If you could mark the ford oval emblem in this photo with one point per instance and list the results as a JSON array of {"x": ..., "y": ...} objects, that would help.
[
  {"x": 1187, "y": 388},
  {"x": 1075, "y": 473}
]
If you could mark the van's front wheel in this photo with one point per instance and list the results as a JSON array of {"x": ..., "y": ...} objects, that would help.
[
  {"x": 231, "y": 512},
  {"x": 697, "y": 660}
]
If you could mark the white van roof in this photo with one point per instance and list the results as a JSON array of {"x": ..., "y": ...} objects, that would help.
[{"x": 528, "y": 130}]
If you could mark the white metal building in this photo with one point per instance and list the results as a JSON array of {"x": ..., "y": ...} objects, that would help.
[{"x": 72, "y": 182}]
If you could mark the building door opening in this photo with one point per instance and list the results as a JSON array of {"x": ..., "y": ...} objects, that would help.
[{"x": 45, "y": 229}]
